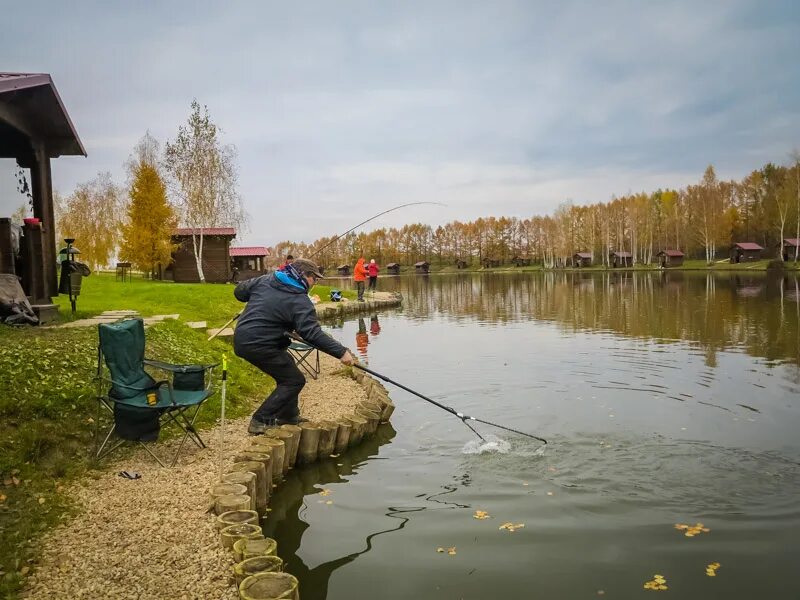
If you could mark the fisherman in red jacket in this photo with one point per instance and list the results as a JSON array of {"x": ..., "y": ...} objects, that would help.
[
  {"x": 372, "y": 271},
  {"x": 360, "y": 277}
]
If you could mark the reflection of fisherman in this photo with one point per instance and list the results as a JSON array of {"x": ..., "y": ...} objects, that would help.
[
  {"x": 362, "y": 339},
  {"x": 374, "y": 326}
]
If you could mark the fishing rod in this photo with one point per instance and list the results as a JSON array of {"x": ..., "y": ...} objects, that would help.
[
  {"x": 318, "y": 250},
  {"x": 464, "y": 418}
]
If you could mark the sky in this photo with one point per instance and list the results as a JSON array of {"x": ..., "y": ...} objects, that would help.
[{"x": 340, "y": 110}]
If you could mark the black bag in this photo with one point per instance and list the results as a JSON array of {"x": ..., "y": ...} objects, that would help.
[
  {"x": 135, "y": 423},
  {"x": 191, "y": 379}
]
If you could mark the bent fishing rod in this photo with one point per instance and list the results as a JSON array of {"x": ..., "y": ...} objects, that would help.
[
  {"x": 464, "y": 418},
  {"x": 318, "y": 250}
]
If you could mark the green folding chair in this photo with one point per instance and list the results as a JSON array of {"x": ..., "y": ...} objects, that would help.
[{"x": 139, "y": 404}]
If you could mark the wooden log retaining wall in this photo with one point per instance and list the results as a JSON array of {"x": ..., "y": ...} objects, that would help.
[{"x": 241, "y": 499}]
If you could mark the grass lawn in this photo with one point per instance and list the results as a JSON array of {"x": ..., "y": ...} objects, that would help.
[{"x": 47, "y": 398}]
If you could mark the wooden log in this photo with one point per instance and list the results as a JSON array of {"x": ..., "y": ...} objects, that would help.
[
  {"x": 367, "y": 384},
  {"x": 247, "y": 548},
  {"x": 373, "y": 419},
  {"x": 358, "y": 375},
  {"x": 357, "y": 432},
  {"x": 256, "y": 564},
  {"x": 225, "y": 489},
  {"x": 309, "y": 443},
  {"x": 379, "y": 396},
  {"x": 342, "y": 436},
  {"x": 263, "y": 586},
  {"x": 263, "y": 479},
  {"x": 372, "y": 405},
  {"x": 231, "y": 533},
  {"x": 287, "y": 438},
  {"x": 236, "y": 517},
  {"x": 295, "y": 431},
  {"x": 327, "y": 439},
  {"x": 223, "y": 504},
  {"x": 278, "y": 452},
  {"x": 247, "y": 479},
  {"x": 387, "y": 413}
]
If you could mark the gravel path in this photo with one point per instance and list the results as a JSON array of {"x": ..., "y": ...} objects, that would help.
[{"x": 152, "y": 538}]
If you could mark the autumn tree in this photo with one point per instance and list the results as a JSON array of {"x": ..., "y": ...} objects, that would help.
[
  {"x": 91, "y": 215},
  {"x": 203, "y": 178},
  {"x": 150, "y": 218}
]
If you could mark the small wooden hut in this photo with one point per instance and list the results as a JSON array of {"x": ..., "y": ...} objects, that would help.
[
  {"x": 34, "y": 128},
  {"x": 490, "y": 263},
  {"x": 789, "y": 247},
  {"x": 620, "y": 259},
  {"x": 582, "y": 259},
  {"x": 216, "y": 255},
  {"x": 745, "y": 252},
  {"x": 670, "y": 258},
  {"x": 422, "y": 266},
  {"x": 461, "y": 264},
  {"x": 393, "y": 268},
  {"x": 248, "y": 261},
  {"x": 343, "y": 270},
  {"x": 519, "y": 261}
]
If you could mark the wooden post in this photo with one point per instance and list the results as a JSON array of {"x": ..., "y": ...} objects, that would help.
[
  {"x": 256, "y": 564},
  {"x": 327, "y": 439},
  {"x": 309, "y": 443},
  {"x": 232, "y": 533},
  {"x": 295, "y": 431},
  {"x": 263, "y": 586},
  {"x": 278, "y": 451},
  {"x": 236, "y": 517},
  {"x": 263, "y": 481},
  {"x": 342, "y": 436},
  {"x": 247, "y": 548},
  {"x": 357, "y": 432},
  {"x": 247, "y": 479},
  {"x": 373, "y": 418},
  {"x": 287, "y": 438},
  {"x": 232, "y": 502}
]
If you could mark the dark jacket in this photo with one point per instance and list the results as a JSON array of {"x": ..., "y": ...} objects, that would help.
[{"x": 273, "y": 308}]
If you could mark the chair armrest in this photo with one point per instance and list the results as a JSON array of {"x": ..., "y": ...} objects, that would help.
[
  {"x": 157, "y": 385},
  {"x": 173, "y": 367}
]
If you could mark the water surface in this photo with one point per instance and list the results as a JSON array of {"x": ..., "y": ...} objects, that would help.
[{"x": 666, "y": 397}]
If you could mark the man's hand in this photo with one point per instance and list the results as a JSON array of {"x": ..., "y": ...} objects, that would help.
[{"x": 347, "y": 359}]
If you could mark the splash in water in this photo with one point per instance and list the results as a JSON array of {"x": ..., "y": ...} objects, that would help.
[{"x": 492, "y": 444}]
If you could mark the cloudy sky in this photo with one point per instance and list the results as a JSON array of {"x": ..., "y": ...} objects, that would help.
[{"x": 342, "y": 109}]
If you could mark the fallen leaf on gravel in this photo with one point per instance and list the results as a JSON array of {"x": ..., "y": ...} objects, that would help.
[{"x": 41, "y": 500}]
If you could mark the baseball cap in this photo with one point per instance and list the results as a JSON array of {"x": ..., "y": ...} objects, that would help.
[{"x": 308, "y": 267}]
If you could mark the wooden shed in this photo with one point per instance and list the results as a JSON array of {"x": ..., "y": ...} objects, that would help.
[
  {"x": 216, "y": 255},
  {"x": 490, "y": 263},
  {"x": 393, "y": 268},
  {"x": 248, "y": 262},
  {"x": 461, "y": 263},
  {"x": 670, "y": 258},
  {"x": 422, "y": 266},
  {"x": 582, "y": 259},
  {"x": 789, "y": 247},
  {"x": 745, "y": 252},
  {"x": 343, "y": 270},
  {"x": 34, "y": 127},
  {"x": 519, "y": 261},
  {"x": 620, "y": 259}
]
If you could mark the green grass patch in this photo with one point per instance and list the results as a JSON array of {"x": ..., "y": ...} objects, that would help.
[{"x": 47, "y": 404}]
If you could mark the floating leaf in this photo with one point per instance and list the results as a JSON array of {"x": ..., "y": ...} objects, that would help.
[
  {"x": 325, "y": 493},
  {"x": 481, "y": 514},
  {"x": 440, "y": 549},
  {"x": 451, "y": 551}
]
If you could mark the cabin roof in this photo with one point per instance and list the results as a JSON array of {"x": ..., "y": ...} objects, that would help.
[
  {"x": 583, "y": 254},
  {"x": 747, "y": 246},
  {"x": 249, "y": 251},
  {"x": 622, "y": 254},
  {"x": 673, "y": 253},
  {"x": 182, "y": 231},
  {"x": 421, "y": 263},
  {"x": 794, "y": 242}
]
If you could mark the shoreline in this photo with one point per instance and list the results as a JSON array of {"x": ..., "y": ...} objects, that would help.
[{"x": 154, "y": 537}]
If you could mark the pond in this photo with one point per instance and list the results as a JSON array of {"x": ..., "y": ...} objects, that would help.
[{"x": 667, "y": 399}]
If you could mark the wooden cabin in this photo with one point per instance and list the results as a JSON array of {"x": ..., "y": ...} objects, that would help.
[
  {"x": 216, "y": 255},
  {"x": 343, "y": 270},
  {"x": 490, "y": 263},
  {"x": 422, "y": 266},
  {"x": 745, "y": 252},
  {"x": 620, "y": 259},
  {"x": 393, "y": 268},
  {"x": 34, "y": 127},
  {"x": 461, "y": 264},
  {"x": 518, "y": 261},
  {"x": 582, "y": 259},
  {"x": 789, "y": 247},
  {"x": 670, "y": 258},
  {"x": 248, "y": 262}
]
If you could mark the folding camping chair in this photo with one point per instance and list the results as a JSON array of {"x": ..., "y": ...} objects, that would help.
[
  {"x": 140, "y": 405},
  {"x": 306, "y": 357}
]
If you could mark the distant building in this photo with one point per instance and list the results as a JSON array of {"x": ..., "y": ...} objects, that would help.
[
  {"x": 216, "y": 255},
  {"x": 582, "y": 259},
  {"x": 670, "y": 258},
  {"x": 343, "y": 270},
  {"x": 422, "y": 266},
  {"x": 249, "y": 261},
  {"x": 745, "y": 252},
  {"x": 789, "y": 248},
  {"x": 519, "y": 261},
  {"x": 461, "y": 263},
  {"x": 490, "y": 263},
  {"x": 393, "y": 268},
  {"x": 620, "y": 259}
]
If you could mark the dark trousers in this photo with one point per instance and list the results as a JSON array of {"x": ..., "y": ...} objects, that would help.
[
  {"x": 360, "y": 288},
  {"x": 282, "y": 402},
  {"x": 373, "y": 282}
]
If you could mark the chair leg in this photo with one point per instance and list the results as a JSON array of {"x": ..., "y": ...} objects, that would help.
[{"x": 189, "y": 429}]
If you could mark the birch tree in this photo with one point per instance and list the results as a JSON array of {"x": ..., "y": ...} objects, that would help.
[{"x": 203, "y": 178}]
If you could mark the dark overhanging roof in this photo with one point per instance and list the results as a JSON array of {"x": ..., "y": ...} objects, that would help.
[{"x": 31, "y": 110}]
